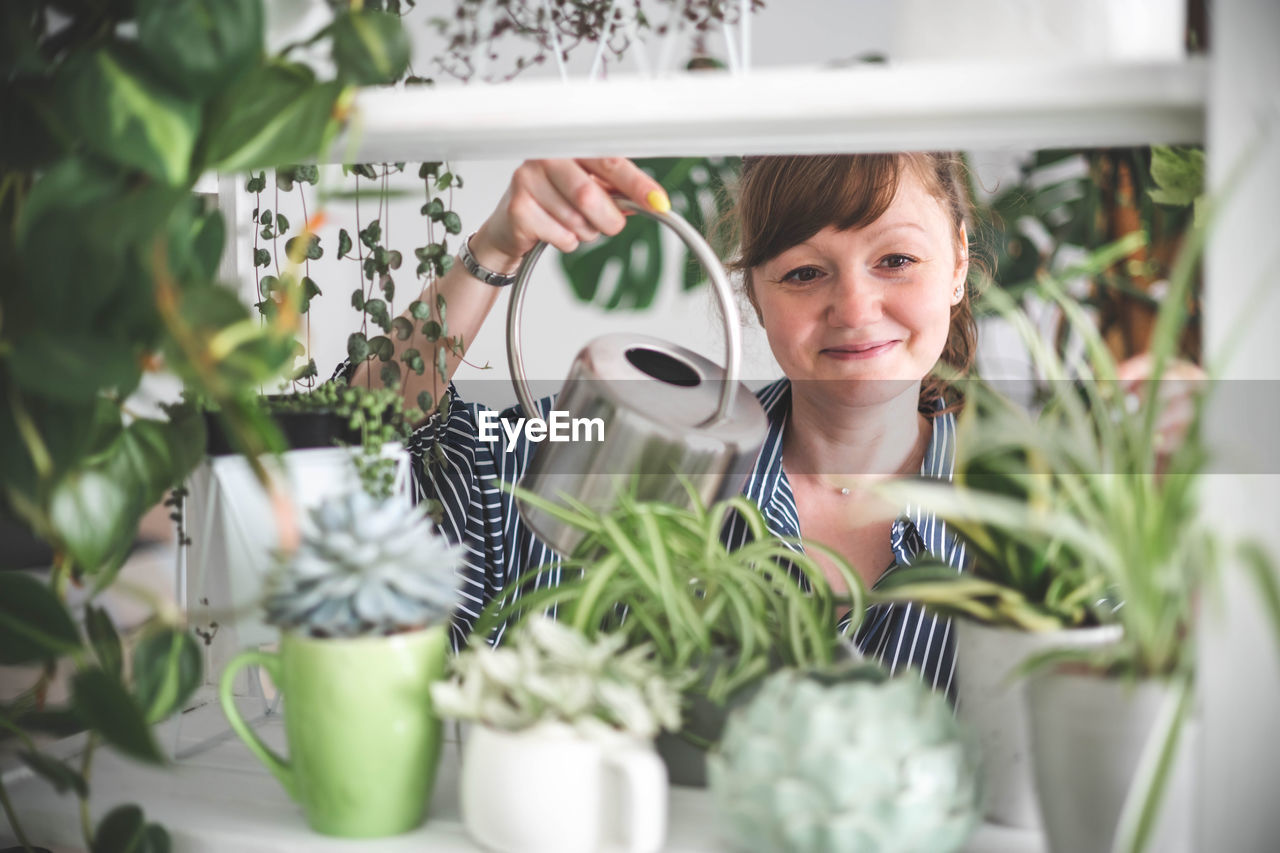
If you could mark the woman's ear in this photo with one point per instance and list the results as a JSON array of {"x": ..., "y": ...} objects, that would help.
[{"x": 961, "y": 278}]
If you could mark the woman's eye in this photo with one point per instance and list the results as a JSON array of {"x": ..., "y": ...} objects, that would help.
[
  {"x": 896, "y": 262},
  {"x": 802, "y": 275}
]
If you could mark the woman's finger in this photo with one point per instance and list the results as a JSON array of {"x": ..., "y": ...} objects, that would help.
[
  {"x": 629, "y": 179},
  {"x": 579, "y": 189},
  {"x": 543, "y": 186}
]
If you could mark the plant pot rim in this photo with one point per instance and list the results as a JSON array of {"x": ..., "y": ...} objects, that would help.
[
  {"x": 1111, "y": 628},
  {"x": 295, "y": 636}
]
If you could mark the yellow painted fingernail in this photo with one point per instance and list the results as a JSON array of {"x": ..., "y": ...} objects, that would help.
[{"x": 658, "y": 201}]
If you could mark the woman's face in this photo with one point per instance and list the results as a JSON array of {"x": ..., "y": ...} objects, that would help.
[{"x": 872, "y": 303}]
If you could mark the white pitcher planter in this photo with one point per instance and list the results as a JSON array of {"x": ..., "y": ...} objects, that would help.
[
  {"x": 1088, "y": 734},
  {"x": 550, "y": 789},
  {"x": 995, "y": 709}
]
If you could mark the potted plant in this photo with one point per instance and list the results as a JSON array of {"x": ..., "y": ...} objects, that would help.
[
  {"x": 363, "y": 607},
  {"x": 845, "y": 759},
  {"x": 1028, "y": 592},
  {"x": 553, "y": 713},
  {"x": 1107, "y": 723},
  {"x": 111, "y": 272},
  {"x": 660, "y": 576}
]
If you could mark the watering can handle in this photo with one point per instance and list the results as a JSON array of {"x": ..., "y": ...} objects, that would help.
[{"x": 710, "y": 263}]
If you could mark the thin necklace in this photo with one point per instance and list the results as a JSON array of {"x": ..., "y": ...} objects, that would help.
[{"x": 912, "y": 465}]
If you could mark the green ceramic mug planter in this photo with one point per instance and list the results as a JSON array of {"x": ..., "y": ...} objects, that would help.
[{"x": 364, "y": 740}]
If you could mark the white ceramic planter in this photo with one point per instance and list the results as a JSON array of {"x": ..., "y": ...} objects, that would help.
[
  {"x": 1088, "y": 734},
  {"x": 1039, "y": 30},
  {"x": 549, "y": 789},
  {"x": 995, "y": 709},
  {"x": 233, "y": 536}
]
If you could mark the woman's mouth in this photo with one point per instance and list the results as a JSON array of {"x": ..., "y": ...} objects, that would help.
[{"x": 854, "y": 352}]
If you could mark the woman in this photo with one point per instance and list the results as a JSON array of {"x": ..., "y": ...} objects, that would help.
[{"x": 856, "y": 267}]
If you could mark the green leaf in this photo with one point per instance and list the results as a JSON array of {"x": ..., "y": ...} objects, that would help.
[
  {"x": 282, "y": 223},
  {"x": 58, "y": 774},
  {"x": 413, "y": 358},
  {"x": 424, "y": 401},
  {"x": 310, "y": 290},
  {"x": 369, "y": 48},
  {"x": 166, "y": 671},
  {"x": 377, "y": 310},
  {"x": 433, "y": 210},
  {"x": 200, "y": 45},
  {"x": 344, "y": 243},
  {"x": 357, "y": 299},
  {"x": 429, "y": 169},
  {"x": 74, "y": 367},
  {"x": 402, "y": 327},
  {"x": 388, "y": 287},
  {"x": 95, "y": 516},
  {"x": 390, "y": 374},
  {"x": 107, "y": 707},
  {"x": 357, "y": 348},
  {"x": 207, "y": 244},
  {"x": 123, "y": 830},
  {"x": 382, "y": 347},
  {"x": 1178, "y": 173},
  {"x": 300, "y": 248},
  {"x": 452, "y": 222},
  {"x": 419, "y": 310},
  {"x": 34, "y": 626},
  {"x": 104, "y": 639},
  {"x": 120, "y": 112},
  {"x": 432, "y": 330},
  {"x": 371, "y": 234},
  {"x": 275, "y": 114},
  {"x": 444, "y": 181},
  {"x": 261, "y": 258}
]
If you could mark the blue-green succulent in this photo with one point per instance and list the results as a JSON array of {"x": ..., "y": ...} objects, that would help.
[
  {"x": 366, "y": 566},
  {"x": 852, "y": 762}
]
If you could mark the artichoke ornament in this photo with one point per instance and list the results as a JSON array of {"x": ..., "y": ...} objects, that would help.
[
  {"x": 366, "y": 566},
  {"x": 848, "y": 762}
]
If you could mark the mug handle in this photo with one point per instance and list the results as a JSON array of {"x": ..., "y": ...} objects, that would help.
[
  {"x": 644, "y": 786},
  {"x": 279, "y": 767}
]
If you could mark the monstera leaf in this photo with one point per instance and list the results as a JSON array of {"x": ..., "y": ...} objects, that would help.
[{"x": 635, "y": 255}]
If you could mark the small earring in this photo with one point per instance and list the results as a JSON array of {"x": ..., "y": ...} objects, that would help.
[{"x": 959, "y": 292}]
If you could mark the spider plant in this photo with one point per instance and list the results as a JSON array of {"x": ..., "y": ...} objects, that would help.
[
  {"x": 1108, "y": 518},
  {"x": 659, "y": 575}
]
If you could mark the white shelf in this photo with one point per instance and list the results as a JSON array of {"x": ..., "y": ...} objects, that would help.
[
  {"x": 223, "y": 801},
  {"x": 865, "y": 108}
]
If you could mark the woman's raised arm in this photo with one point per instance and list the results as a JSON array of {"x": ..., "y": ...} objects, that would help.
[{"x": 560, "y": 202}]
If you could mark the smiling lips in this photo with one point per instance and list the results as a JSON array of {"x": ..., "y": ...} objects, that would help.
[{"x": 851, "y": 352}]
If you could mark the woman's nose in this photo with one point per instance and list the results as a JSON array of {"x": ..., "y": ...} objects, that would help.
[{"x": 855, "y": 302}]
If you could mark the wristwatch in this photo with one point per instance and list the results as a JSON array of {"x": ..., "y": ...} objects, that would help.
[{"x": 472, "y": 266}]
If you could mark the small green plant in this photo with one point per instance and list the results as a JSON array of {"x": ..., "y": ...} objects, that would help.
[
  {"x": 366, "y": 567},
  {"x": 552, "y": 673},
  {"x": 659, "y": 575}
]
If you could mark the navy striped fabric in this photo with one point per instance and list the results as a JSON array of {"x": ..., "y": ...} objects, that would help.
[{"x": 500, "y": 548}]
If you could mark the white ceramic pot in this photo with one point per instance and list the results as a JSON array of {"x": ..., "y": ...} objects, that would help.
[
  {"x": 1088, "y": 734},
  {"x": 1039, "y": 30},
  {"x": 550, "y": 789},
  {"x": 994, "y": 708}
]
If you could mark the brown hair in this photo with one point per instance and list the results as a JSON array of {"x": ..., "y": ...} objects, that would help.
[{"x": 783, "y": 201}]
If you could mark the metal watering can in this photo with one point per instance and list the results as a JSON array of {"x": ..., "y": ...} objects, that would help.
[{"x": 670, "y": 416}]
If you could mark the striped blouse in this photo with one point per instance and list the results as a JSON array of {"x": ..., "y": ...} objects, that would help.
[{"x": 500, "y": 548}]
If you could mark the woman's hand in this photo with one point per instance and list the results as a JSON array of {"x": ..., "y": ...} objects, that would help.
[
  {"x": 563, "y": 203},
  {"x": 1175, "y": 397}
]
